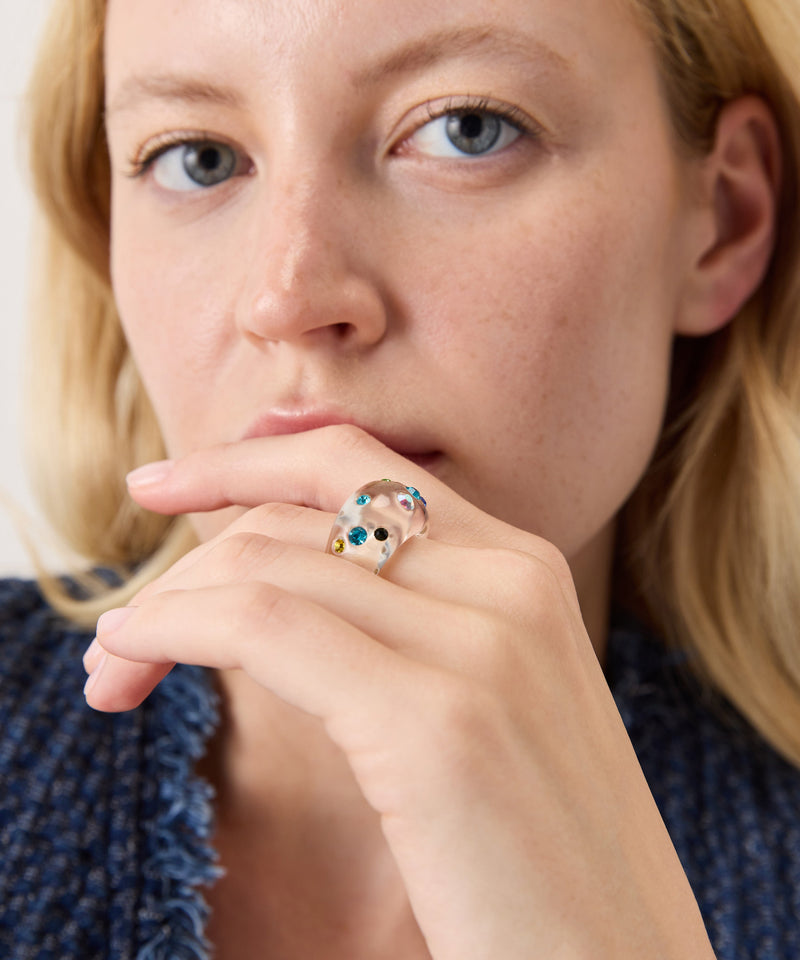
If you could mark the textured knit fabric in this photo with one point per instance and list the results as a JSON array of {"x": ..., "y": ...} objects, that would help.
[{"x": 104, "y": 828}]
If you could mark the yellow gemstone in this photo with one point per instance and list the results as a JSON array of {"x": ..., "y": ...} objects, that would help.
[{"x": 338, "y": 546}]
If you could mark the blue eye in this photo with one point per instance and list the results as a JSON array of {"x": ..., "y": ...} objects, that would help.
[
  {"x": 465, "y": 133},
  {"x": 194, "y": 166}
]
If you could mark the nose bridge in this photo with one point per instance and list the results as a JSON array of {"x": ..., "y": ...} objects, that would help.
[
  {"x": 302, "y": 228},
  {"x": 306, "y": 268}
]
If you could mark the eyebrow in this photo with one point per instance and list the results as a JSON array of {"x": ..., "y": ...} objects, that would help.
[
  {"x": 413, "y": 56},
  {"x": 170, "y": 87},
  {"x": 459, "y": 42}
]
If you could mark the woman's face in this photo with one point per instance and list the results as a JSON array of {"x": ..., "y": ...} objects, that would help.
[{"x": 461, "y": 225}]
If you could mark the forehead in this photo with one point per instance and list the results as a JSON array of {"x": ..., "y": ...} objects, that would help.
[{"x": 300, "y": 41}]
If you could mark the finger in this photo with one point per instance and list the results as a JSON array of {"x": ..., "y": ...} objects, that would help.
[
  {"x": 456, "y": 631},
  {"x": 269, "y": 469},
  {"x": 380, "y": 608},
  {"x": 130, "y": 682},
  {"x": 465, "y": 576},
  {"x": 283, "y": 521},
  {"x": 372, "y": 604},
  {"x": 275, "y": 469},
  {"x": 300, "y": 651},
  {"x": 468, "y": 576},
  {"x": 437, "y": 571}
]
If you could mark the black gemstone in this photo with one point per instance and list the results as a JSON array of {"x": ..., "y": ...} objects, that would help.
[{"x": 381, "y": 534}]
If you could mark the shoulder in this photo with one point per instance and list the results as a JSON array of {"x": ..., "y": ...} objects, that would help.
[
  {"x": 47, "y": 731},
  {"x": 54, "y": 791},
  {"x": 729, "y": 801},
  {"x": 103, "y": 826},
  {"x": 39, "y": 651},
  {"x": 678, "y": 727}
]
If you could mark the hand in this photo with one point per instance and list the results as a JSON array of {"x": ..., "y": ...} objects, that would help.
[{"x": 461, "y": 685}]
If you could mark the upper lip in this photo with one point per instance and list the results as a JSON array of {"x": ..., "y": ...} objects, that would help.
[{"x": 280, "y": 421}]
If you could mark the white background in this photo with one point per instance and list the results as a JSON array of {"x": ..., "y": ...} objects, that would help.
[{"x": 20, "y": 24}]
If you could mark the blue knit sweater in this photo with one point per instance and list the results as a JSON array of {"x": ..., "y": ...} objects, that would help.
[{"x": 104, "y": 828}]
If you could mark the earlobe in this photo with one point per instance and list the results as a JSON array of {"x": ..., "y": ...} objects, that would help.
[{"x": 741, "y": 187}]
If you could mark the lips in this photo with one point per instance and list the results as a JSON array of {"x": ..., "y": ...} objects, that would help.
[
  {"x": 277, "y": 423},
  {"x": 280, "y": 422}
]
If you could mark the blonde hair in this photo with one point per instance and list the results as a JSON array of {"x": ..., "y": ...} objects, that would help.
[
  {"x": 710, "y": 541},
  {"x": 91, "y": 420},
  {"x": 711, "y": 538}
]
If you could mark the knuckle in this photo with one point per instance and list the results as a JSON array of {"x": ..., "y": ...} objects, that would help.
[
  {"x": 270, "y": 516},
  {"x": 533, "y": 602},
  {"x": 516, "y": 576},
  {"x": 255, "y": 603},
  {"x": 524, "y": 575},
  {"x": 245, "y": 552},
  {"x": 257, "y": 606},
  {"x": 512, "y": 568},
  {"x": 556, "y": 562}
]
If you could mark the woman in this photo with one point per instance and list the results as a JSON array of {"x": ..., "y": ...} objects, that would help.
[{"x": 537, "y": 261}]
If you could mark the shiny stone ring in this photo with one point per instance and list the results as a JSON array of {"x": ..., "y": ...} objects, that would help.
[{"x": 377, "y": 519}]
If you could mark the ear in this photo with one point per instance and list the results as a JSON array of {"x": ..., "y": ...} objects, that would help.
[{"x": 740, "y": 187}]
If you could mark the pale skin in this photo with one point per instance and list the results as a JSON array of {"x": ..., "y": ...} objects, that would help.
[{"x": 427, "y": 763}]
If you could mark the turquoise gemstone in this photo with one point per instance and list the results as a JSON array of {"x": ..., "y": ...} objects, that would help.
[
  {"x": 416, "y": 494},
  {"x": 363, "y": 500},
  {"x": 357, "y": 536}
]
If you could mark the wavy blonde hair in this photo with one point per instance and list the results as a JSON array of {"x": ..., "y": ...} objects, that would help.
[{"x": 710, "y": 541}]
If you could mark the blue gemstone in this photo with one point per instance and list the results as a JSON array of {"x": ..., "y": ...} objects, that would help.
[
  {"x": 363, "y": 500},
  {"x": 416, "y": 494},
  {"x": 357, "y": 536}
]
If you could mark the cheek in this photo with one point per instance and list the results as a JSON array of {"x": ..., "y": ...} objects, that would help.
[
  {"x": 555, "y": 341},
  {"x": 172, "y": 305},
  {"x": 575, "y": 298}
]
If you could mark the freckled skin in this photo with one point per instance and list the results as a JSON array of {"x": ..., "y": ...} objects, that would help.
[
  {"x": 520, "y": 312},
  {"x": 503, "y": 321}
]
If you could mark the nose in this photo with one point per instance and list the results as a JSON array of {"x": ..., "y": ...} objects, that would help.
[{"x": 310, "y": 278}]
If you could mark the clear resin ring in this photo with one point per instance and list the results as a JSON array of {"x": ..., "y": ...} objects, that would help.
[{"x": 375, "y": 521}]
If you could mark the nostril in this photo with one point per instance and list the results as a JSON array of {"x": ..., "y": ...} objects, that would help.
[
  {"x": 342, "y": 330},
  {"x": 343, "y": 309}
]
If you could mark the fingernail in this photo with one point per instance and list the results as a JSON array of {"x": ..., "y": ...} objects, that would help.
[
  {"x": 150, "y": 473},
  {"x": 113, "y": 619},
  {"x": 93, "y": 655},
  {"x": 95, "y": 675}
]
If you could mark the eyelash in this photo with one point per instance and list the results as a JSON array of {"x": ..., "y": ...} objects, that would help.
[
  {"x": 466, "y": 105},
  {"x": 146, "y": 156},
  {"x": 143, "y": 160}
]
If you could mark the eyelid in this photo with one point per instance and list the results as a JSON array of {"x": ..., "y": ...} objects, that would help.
[
  {"x": 147, "y": 154},
  {"x": 435, "y": 109}
]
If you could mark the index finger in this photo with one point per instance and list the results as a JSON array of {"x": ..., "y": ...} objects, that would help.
[{"x": 318, "y": 468}]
